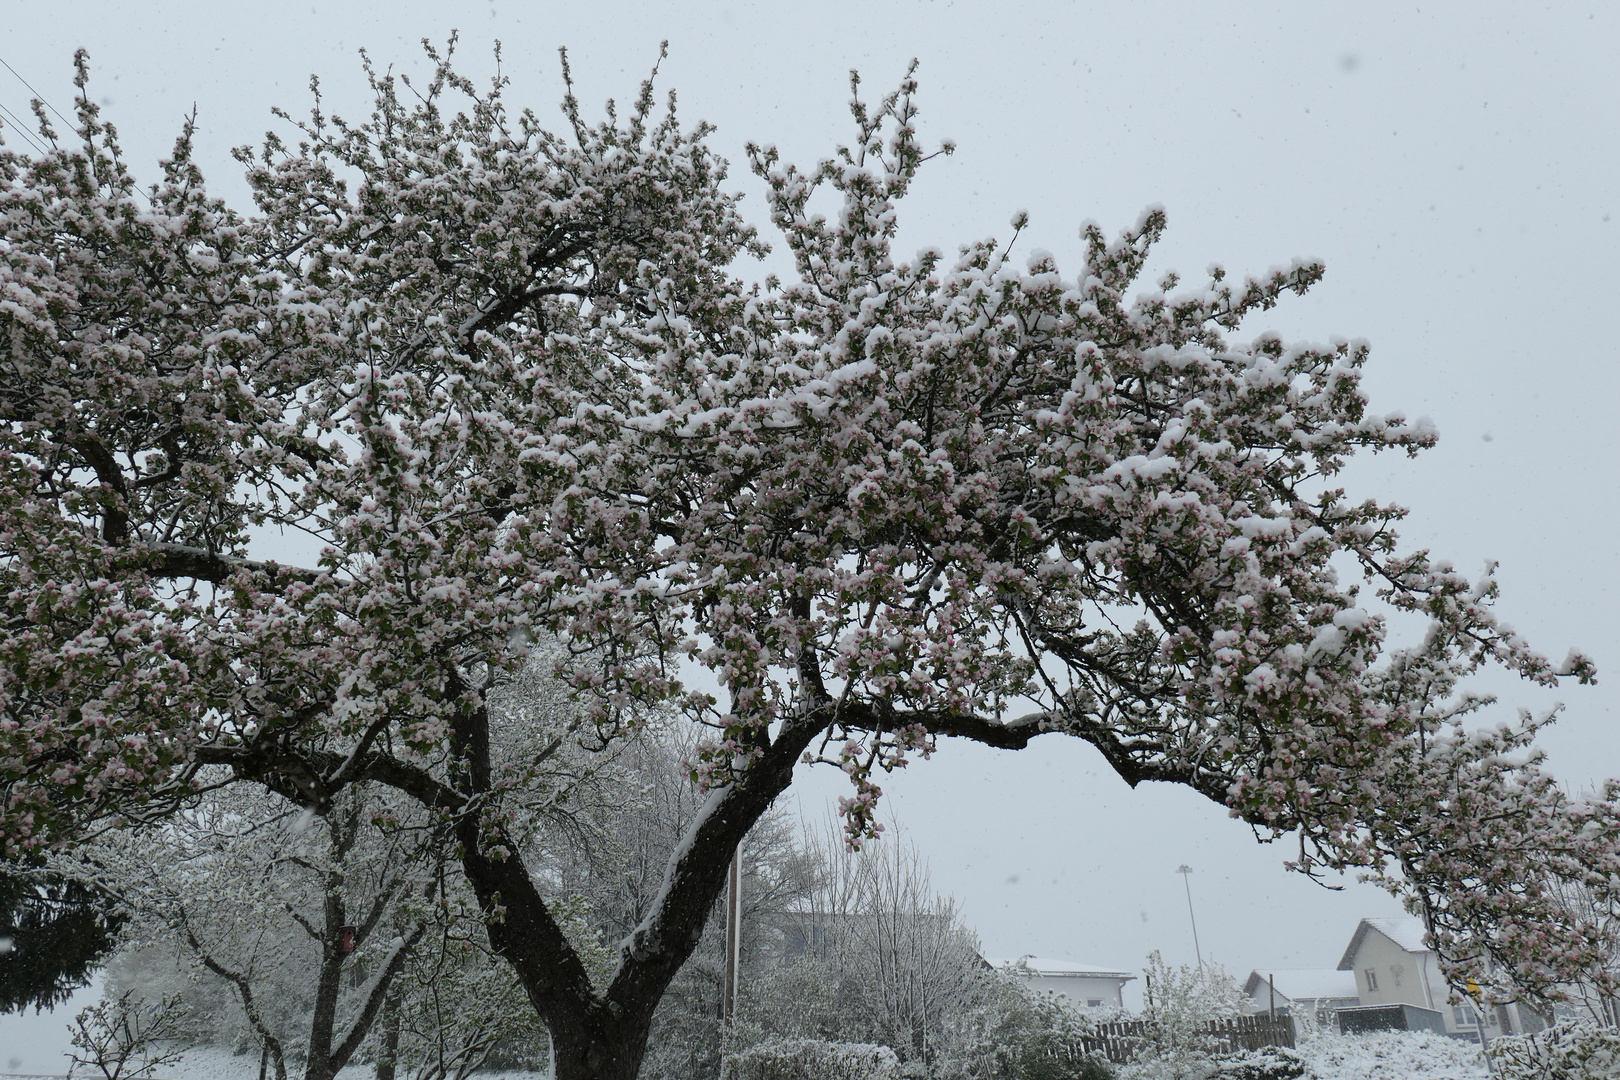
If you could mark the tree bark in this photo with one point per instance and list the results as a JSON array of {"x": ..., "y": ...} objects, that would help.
[
  {"x": 602, "y": 1034},
  {"x": 388, "y": 1056}
]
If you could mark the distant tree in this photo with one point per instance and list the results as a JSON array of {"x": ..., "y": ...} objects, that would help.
[
  {"x": 319, "y": 928},
  {"x": 875, "y": 956},
  {"x": 306, "y": 920},
  {"x": 615, "y": 866},
  {"x": 458, "y": 1010},
  {"x": 504, "y": 382}
]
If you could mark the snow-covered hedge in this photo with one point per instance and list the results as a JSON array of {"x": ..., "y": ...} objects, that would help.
[
  {"x": 812, "y": 1059},
  {"x": 1574, "y": 1051},
  {"x": 1268, "y": 1063}
]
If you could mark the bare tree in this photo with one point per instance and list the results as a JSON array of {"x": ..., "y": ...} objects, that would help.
[
  {"x": 874, "y": 955},
  {"x": 126, "y": 1038}
]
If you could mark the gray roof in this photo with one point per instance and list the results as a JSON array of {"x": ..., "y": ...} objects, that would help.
[
  {"x": 1303, "y": 984},
  {"x": 1056, "y": 969}
]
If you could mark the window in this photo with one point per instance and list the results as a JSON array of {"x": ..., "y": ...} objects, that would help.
[
  {"x": 1397, "y": 973},
  {"x": 1094, "y": 1003},
  {"x": 1463, "y": 1016},
  {"x": 1372, "y": 979}
]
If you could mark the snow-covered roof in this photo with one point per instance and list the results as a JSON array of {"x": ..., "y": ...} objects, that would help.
[
  {"x": 1303, "y": 984},
  {"x": 1056, "y": 969},
  {"x": 1407, "y": 932}
]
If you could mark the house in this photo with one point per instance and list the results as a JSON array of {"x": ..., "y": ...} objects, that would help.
[
  {"x": 1314, "y": 992},
  {"x": 1392, "y": 965},
  {"x": 1091, "y": 987}
]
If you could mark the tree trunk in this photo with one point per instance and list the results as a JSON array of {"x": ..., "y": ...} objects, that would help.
[
  {"x": 608, "y": 1051},
  {"x": 323, "y": 1019},
  {"x": 388, "y": 1056},
  {"x": 602, "y": 1034}
]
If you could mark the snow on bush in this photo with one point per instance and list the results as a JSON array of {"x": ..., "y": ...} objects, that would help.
[
  {"x": 1181, "y": 1002},
  {"x": 1267, "y": 1063},
  {"x": 1393, "y": 1055},
  {"x": 1573, "y": 1051},
  {"x": 812, "y": 1059}
]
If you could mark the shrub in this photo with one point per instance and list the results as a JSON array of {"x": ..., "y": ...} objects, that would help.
[
  {"x": 1571, "y": 1051},
  {"x": 812, "y": 1059},
  {"x": 1267, "y": 1063}
]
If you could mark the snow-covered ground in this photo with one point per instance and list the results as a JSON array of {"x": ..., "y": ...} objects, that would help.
[
  {"x": 210, "y": 1063},
  {"x": 1393, "y": 1055}
]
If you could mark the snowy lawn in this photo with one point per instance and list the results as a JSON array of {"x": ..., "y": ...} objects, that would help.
[
  {"x": 1393, "y": 1055},
  {"x": 213, "y": 1063}
]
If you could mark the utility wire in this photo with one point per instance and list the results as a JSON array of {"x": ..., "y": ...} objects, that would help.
[
  {"x": 17, "y": 126},
  {"x": 22, "y": 129},
  {"x": 36, "y": 93}
]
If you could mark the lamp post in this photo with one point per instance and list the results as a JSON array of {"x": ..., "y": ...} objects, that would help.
[
  {"x": 1184, "y": 870},
  {"x": 728, "y": 995}
]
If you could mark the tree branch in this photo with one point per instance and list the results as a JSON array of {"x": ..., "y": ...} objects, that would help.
[{"x": 183, "y": 560}]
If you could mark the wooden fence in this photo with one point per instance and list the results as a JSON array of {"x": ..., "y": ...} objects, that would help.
[{"x": 1120, "y": 1042}]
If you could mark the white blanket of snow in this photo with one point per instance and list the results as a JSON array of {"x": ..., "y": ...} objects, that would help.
[
  {"x": 1389, "y": 1055},
  {"x": 1393, "y": 1055},
  {"x": 212, "y": 1063}
]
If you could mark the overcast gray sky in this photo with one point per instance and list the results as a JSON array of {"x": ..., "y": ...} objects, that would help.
[{"x": 1455, "y": 164}]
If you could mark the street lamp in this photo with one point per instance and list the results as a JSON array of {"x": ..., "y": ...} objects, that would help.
[{"x": 1184, "y": 870}]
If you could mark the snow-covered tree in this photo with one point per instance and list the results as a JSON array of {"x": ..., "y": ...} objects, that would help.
[
  {"x": 306, "y": 919},
  {"x": 874, "y": 955},
  {"x": 457, "y": 1010},
  {"x": 1179, "y": 1004},
  {"x": 505, "y": 383},
  {"x": 312, "y": 931},
  {"x": 126, "y": 1039},
  {"x": 618, "y": 845}
]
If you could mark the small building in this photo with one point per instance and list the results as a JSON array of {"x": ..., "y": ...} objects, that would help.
[
  {"x": 1314, "y": 992},
  {"x": 1361, "y": 1019},
  {"x": 1392, "y": 965},
  {"x": 1083, "y": 985}
]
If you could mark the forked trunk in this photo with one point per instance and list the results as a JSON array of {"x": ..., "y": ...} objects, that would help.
[
  {"x": 601, "y": 1033},
  {"x": 601, "y": 1051}
]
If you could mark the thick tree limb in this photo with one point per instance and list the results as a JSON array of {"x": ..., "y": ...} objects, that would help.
[{"x": 183, "y": 560}]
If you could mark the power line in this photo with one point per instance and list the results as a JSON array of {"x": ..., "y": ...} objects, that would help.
[
  {"x": 17, "y": 126},
  {"x": 36, "y": 93}
]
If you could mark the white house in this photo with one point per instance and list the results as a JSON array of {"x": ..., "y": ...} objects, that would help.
[
  {"x": 1392, "y": 965},
  {"x": 1314, "y": 992},
  {"x": 1092, "y": 987}
]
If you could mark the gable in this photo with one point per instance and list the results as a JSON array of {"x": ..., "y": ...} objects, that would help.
[{"x": 1406, "y": 934}]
